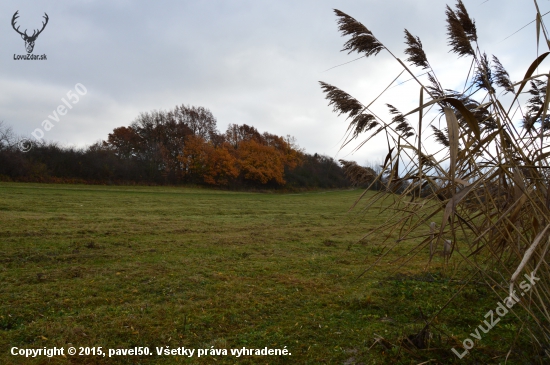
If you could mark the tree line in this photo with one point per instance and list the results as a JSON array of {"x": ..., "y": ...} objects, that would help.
[{"x": 179, "y": 146}]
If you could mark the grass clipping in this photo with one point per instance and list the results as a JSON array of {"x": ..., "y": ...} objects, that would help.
[{"x": 485, "y": 180}]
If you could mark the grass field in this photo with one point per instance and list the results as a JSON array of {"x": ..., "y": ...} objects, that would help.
[{"x": 121, "y": 267}]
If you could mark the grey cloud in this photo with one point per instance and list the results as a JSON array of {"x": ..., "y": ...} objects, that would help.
[{"x": 254, "y": 62}]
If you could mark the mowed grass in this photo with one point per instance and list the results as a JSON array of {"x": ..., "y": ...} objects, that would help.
[{"x": 121, "y": 267}]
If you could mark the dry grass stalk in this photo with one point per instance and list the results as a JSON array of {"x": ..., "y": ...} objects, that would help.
[{"x": 488, "y": 180}]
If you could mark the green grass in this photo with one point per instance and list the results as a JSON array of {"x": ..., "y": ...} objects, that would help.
[{"x": 121, "y": 267}]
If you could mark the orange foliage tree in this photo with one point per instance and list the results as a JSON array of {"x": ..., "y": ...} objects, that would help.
[
  {"x": 263, "y": 157},
  {"x": 204, "y": 162},
  {"x": 241, "y": 153},
  {"x": 261, "y": 163}
]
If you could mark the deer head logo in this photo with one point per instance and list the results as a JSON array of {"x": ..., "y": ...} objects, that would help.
[{"x": 29, "y": 40}]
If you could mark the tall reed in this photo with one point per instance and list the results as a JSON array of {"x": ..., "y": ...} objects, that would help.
[{"x": 486, "y": 179}]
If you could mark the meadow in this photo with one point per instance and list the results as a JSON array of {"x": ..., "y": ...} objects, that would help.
[{"x": 124, "y": 267}]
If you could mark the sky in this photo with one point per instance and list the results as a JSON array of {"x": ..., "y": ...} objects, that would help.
[{"x": 255, "y": 62}]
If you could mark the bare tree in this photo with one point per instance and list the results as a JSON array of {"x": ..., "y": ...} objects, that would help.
[{"x": 7, "y": 137}]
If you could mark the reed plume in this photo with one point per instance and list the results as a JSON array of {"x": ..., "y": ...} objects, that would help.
[{"x": 486, "y": 181}]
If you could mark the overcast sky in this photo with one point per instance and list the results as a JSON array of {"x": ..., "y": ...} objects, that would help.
[{"x": 256, "y": 62}]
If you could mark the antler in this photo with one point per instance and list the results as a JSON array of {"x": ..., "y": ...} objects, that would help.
[
  {"x": 15, "y": 16},
  {"x": 34, "y": 34},
  {"x": 43, "y": 25}
]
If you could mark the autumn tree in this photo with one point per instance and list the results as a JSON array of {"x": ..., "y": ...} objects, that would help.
[
  {"x": 157, "y": 139},
  {"x": 209, "y": 164},
  {"x": 260, "y": 163},
  {"x": 262, "y": 157},
  {"x": 235, "y": 134},
  {"x": 124, "y": 141},
  {"x": 180, "y": 145},
  {"x": 199, "y": 120},
  {"x": 287, "y": 147}
]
